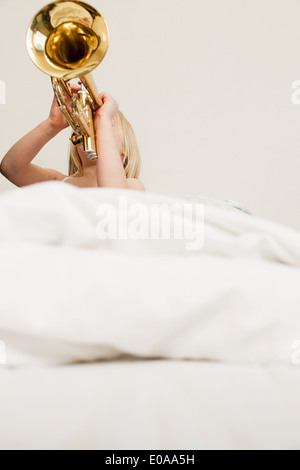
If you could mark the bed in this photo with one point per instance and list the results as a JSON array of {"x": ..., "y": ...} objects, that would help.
[{"x": 145, "y": 343}]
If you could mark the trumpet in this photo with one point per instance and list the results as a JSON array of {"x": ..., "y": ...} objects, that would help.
[{"x": 67, "y": 40}]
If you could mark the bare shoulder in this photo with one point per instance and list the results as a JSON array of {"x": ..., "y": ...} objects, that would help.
[
  {"x": 134, "y": 183},
  {"x": 58, "y": 176}
]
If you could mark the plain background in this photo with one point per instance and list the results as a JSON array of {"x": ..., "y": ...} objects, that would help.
[{"x": 206, "y": 84}]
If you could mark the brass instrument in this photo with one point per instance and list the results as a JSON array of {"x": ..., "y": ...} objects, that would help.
[{"x": 67, "y": 40}]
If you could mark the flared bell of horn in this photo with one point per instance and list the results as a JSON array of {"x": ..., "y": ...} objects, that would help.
[{"x": 67, "y": 39}]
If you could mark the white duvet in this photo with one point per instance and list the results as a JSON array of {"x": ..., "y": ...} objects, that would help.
[{"x": 67, "y": 295}]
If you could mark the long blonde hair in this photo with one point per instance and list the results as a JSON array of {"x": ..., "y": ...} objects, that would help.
[{"x": 131, "y": 159}]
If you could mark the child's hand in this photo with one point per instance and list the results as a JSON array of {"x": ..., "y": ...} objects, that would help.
[
  {"x": 109, "y": 108},
  {"x": 56, "y": 117}
]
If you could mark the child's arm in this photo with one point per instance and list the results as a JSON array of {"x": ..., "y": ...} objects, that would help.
[
  {"x": 16, "y": 165},
  {"x": 110, "y": 170}
]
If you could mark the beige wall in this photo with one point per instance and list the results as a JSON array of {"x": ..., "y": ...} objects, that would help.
[{"x": 206, "y": 85}]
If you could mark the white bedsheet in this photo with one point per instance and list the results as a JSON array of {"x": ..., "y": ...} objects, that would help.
[
  {"x": 59, "y": 214},
  {"x": 155, "y": 404},
  {"x": 68, "y": 296}
]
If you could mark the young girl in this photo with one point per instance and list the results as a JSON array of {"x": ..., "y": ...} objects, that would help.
[{"x": 118, "y": 164}]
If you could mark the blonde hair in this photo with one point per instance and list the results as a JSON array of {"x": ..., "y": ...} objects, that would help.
[{"x": 130, "y": 150}]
